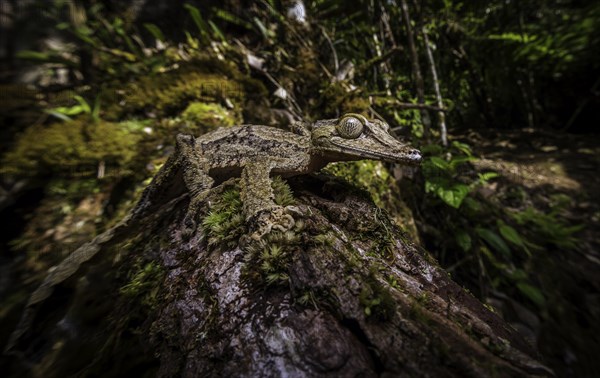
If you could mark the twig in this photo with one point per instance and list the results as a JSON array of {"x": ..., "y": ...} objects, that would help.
[
  {"x": 378, "y": 59},
  {"x": 336, "y": 65},
  {"x": 410, "y": 105}
]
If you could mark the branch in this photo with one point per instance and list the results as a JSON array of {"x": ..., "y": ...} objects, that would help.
[
  {"x": 409, "y": 105},
  {"x": 378, "y": 59}
]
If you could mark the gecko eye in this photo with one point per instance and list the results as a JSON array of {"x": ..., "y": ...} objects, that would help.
[{"x": 350, "y": 127}]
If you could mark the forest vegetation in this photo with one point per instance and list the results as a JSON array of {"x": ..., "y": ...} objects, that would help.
[{"x": 501, "y": 97}]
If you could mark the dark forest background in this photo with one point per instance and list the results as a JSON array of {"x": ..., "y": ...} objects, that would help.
[{"x": 501, "y": 96}]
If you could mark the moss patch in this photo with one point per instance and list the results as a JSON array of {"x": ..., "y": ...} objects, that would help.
[
  {"x": 144, "y": 284},
  {"x": 376, "y": 300},
  {"x": 170, "y": 92},
  {"x": 337, "y": 98},
  {"x": 69, "y": 147},
  {"x": 209, "y": 116},
  {"x": 374, "y": 177},
  {"x": 224, "y": 224}
]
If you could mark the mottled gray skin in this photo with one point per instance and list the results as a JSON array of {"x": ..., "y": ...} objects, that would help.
[
  {"x": 253, "y": 152},
  {"x": 260, "y": 151}
]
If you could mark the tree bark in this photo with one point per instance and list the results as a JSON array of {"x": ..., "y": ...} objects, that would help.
[
  {"x": 436, "y": 87},
  {"x": 416, "y": 67},
  {"x": 342, "y": 294}
]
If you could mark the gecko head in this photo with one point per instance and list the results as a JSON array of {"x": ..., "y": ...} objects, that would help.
[{"x": 355, "y": 137}]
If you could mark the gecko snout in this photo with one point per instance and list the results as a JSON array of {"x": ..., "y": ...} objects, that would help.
[{"x": 414, "y": 155}]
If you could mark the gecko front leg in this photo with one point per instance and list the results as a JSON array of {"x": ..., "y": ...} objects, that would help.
[{"x": 258, "y": 200}]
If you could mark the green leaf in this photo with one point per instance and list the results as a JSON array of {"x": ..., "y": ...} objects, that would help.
[
  {"x": 84, "y": 33},
  {"x": 198, "y": 20},
  {"x": 217, "y": 32},
  {"x": 232, "y": 18},
  {"x": 432, "y": 149},
  {"x": 58, "y": 115},
  {"x": 33, "y": 55},
  {"x": 48, "y": 57},
  {"x": 451, "y": 194},
  {"x": 85, "y": 107},
  {"x": 462, "y": 147},
  {"x": 68, "y": 111},
  {"x": 455, "y": 162},
  {"x": 439, "y": 163},
  {"x": 455, "y": 195},
  {"x": 96, "y": 109},
  {"x": 494, "y": 240},
  {"x": 463, "y": 239},
  {"x": 516, "y": 274},
  {"x": 532, "y": 292},
  {"x": 261, "y": 27},
  {"x": 511, "y": 235},
  {"x": 488, "y": 176},
  {"x": 155, "y": 31},
  {"x": 124, "y": 54}
]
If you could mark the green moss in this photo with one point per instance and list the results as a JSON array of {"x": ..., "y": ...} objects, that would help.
[
  {"x": 268, "y": 259},
  {"x": 325, "y": 239},
  {"x": 170, "y": 92},
  {"x": 337, "y": 99},
  {"x": 376, "y": 300},
  {"x": 225, "y": 222},
  {"x": 273, "y": 264},
  {"x": 283, "y": 195},
  {"x": 144, "y": 284},
  {"x": 418, "y": 313},
  {"x": 375, "y": 178},
  {"x": 70, "y": 147},
  {"x": 370, "y": 175},
  {"x": 209, "y": 116}
]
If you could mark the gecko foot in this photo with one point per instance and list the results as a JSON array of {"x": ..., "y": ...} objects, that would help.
[
  {"x": 189, "y": 226},
  {"x": 277, "y": 218}
]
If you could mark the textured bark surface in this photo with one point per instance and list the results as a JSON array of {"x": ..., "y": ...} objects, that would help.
[{"x": 343, "y": 294}]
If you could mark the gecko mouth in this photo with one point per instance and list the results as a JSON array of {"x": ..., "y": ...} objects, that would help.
[{"x": 413, "y": 156}]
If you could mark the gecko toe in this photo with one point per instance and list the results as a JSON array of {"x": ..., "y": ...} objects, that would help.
[{"x": 189, "y": 227}]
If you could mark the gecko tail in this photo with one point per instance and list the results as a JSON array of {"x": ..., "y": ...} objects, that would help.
[{"x": 58, "y": 274}]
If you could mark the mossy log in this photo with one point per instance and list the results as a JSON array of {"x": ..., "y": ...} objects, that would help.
[{"x": 342, "y": 294}]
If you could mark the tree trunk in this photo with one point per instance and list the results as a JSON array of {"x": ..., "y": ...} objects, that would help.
[
  {"x": 416, "y": 67},
  {"x": 342, "y": 294},
  {"x": 436, "y": 87}
]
